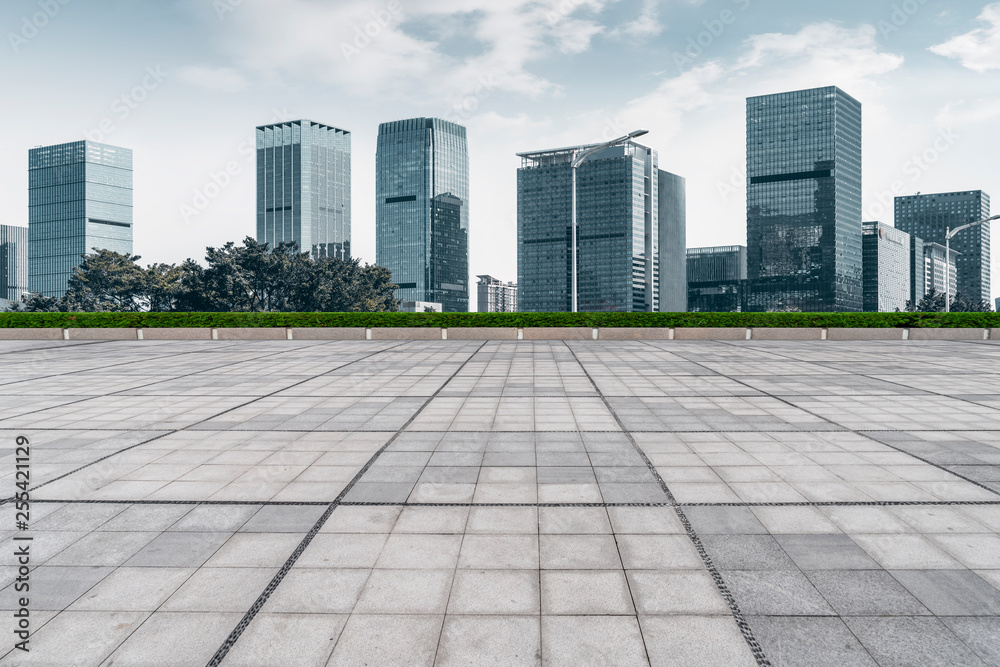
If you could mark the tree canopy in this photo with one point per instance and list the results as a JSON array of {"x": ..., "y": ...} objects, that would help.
[{"x": 237, "y": 278}]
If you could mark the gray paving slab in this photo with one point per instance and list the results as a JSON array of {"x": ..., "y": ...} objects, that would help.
[{"x": 834, "y": 489}]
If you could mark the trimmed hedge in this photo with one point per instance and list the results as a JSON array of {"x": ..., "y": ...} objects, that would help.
[{"x": 454, "y": 320}]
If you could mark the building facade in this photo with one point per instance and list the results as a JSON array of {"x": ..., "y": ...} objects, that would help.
[
  {"x": 625, "y": 207},
  {"x": 422, "y": 210},
  {"x": 496, "y": 296},
  {"x": 13, "y": 262},
  {"x": 672, "y": 237},
  {"x": 934, "y": 269},
  {"x": 886, "y": 260},
  {"x": 929, "y": 216},
  {"x": 716, "y": 279},
  {"x": 918, "y": 277},
  {"x": 804, "y": 201},
  {"x": 304, "y": 187},
  {"x": 79, "y": 200}
]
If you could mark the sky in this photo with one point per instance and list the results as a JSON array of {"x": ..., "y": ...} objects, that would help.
[{"x": 183, "y": 83}]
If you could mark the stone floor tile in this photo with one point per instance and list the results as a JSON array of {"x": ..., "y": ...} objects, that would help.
[
  {"x": 804, "y": 641},
  {"x": 178, "y": 549},
  {"x": 350, "y": 550},
  {"x": 746, "y": 552},
  {"x": 907, "y": 640},
  {"x": 317, "y": 591},
  {"x": 658, "y": 552},
  {"x": 77, "y": 638},
  {"x": 499, "y": 592},
  {"x": 505, "y": 552},
  {"x": 220, "y": 589},
  {"x": 298, "y": 639},
  {"x": 982, "y": 635},
  {"x": 865, "y": 593},
  {"x": 724, "y": 521},
  {"x": 405, "y": 592},
  {"x": 54, "y": 588},
  {"x": 951, "y": 592},
  {"x": 414, "y": 551},
  {"x": 133, "y": 589},
  {"x": 688, "y": 592},
  {"x": 775, "y": 593},
  {"x": 584, "y": 552},
  {"x": 826, "y": 552},
  {"x": 582, "y": 640},
  {"x": 585, "y": 592},
  {"x": 175, "y": 639},
  {"x": 387, "y": 640},
  {"x": 694, "y": 641},
  {"x": 499, "y": 640}
]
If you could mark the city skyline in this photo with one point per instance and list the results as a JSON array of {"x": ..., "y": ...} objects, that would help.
[{"x": 925, "y": 92}]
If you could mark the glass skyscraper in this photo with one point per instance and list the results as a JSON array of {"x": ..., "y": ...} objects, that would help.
[
  {"x": 716, "y": 279},
  {"x": 928, "y": 216},
  {"x": 79, "y": 200},
  {"x": 625, "y": 207},
  {"x": 13, "y": 262},
  {"x": 304, "y": 187},
  {"x": 422, "y": 210},
  {"x": 804, "y": 201},
  {"x": 887, "y": 271}
]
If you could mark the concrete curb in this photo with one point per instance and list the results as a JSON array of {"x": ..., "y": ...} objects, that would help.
[{"x": 501, "y": 333}]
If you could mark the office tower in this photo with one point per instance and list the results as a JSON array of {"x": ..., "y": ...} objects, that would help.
[
  {"x": 928, "y": 216},
  {"x": 422, "y": 210},
  {"x": 495, "y": 296},
  {"x": 997, "y": 307},
  {"x": 716, "y": 279},
  {"x": 918, "y": 277},
  {"x": 934, "y": 263},
  {"x": 672, "y": 237},
  {"x": 624, "y": 204},
  {"x": 886, "y": 260},
  {"x": 804, "y": 201},
  {"x": 13, "y": 262},
  {"x": 79, "y": 200},
  {"x": 304, "y": 187}
]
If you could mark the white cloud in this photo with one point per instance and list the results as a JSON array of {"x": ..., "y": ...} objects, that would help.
[
  {"x": 978, "y": 50},
  {"x": 368, "y": 51},
  {"x": 225, "y": 79},
  {"x": 643, "y": 28},
  {"x": 960, "y": 113}
]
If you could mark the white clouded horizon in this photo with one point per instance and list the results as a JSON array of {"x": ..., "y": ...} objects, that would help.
[{"x": 979, "y": 49}]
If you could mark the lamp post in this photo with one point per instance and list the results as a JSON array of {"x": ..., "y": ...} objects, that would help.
[
  {"x": 578, "y": 159},
  {"x": 949, "y": 234}
]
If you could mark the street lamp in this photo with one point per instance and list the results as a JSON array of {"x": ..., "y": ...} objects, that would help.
[
  {"x": 949, "y": 233},
  {"x": 577, "y": 161}
]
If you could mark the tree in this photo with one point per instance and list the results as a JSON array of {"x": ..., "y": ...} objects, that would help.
[
  {"x": 107, "y": 281},
  {"x": 163, "y": 287},
  {"x": 933, "y": 302},
  {"x": 33, "y": 302}
]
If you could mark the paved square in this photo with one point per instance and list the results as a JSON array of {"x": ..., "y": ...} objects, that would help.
[{"x": 509, "y": 503}]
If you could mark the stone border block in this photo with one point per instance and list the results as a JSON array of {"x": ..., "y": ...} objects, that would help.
[
  {"x": 177, "y": 333},
  {"x": 482, "y": 333},
  {"x": 947, "y": 334},
  {"x": 634, "y": 333},
  {"x": 787, "y": 333},
  {"x": 42, "y": 333},
  {"x": 328, "y": 333},
  {"x": 558, "y": 333},
  {"x": 710, "y": 333},
  {"x": 101, "y": 334},
  {"x": 406, "y": 333},
  {"x": 252, "y": 333},
  {"x": 838, "y": 333}
]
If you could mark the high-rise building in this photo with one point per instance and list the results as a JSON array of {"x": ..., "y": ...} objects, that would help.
[
  {"x": 997, "y": 307},
  {"x": 934, "y": 268},
  {"x": 716, "y": 279},
  {"x": 918, "y": 277},
  {"x": 929, "y": 216},
  {"x": 626, "y": 209},
  {"x": 13, "y": 262},
  {"x": 886, "y": 253},
  {"x": 804, "y": 201},
  {"x": 496, "y": 296},
  {"x": 304, "y": 187},
  {"x": 79, "y": 200},
  {"x": 422, "y": 210},
  {"x": 672, "y": 238}
]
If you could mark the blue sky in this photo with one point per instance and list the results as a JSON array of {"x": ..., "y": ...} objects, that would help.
[{"x": 184, "y": 82}]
